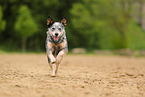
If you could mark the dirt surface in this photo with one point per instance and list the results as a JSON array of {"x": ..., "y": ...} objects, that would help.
[{"x": 28, "y": 75}]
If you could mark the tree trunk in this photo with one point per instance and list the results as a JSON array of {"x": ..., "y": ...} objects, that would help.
[
  {"x": 126, "y": 15},
  {"x": 23, "y": 44},
  {"x": 143, "y": 15}
]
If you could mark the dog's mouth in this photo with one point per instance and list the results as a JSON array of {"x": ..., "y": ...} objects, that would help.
[{"x": 56, "y": 38}]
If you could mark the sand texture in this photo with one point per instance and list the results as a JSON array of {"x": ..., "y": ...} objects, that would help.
[{"x": 28, "y": 75}]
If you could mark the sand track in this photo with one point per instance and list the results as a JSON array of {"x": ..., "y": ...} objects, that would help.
[{"x": 28, "y": 75}]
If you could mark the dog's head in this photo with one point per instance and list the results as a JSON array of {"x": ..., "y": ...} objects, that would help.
[{"x": 56, "y": 29}]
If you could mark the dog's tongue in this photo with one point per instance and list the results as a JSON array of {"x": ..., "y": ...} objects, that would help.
[{"x": 55, "y": 38}]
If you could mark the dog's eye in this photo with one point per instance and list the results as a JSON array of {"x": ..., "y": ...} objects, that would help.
[
  {"x": 59, "y": 29},
  {"x": 53, "y": 29}
]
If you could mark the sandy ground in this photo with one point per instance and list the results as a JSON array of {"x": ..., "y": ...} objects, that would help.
[{"x": 28, "y": 75}]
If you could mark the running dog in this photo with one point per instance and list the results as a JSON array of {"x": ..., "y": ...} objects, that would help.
[{"x": 56, "y": 43}]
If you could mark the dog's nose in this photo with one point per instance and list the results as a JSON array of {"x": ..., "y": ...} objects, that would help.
[{"x": 56, "y": 34}]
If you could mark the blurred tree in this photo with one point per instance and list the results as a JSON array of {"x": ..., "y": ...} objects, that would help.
[
  {"x": 93, "y": 20},
  {"x": 2, "y": 22},
  {"x": 25, "y": 25},
  {"x": 142, "y": 13},
  {"x": 40, "y": 9},
  {"x": 101, "y": 24},
  {"x": 104, "y": 24},
  {"x": 135, "y": 36},
  {"x": 84, "y": 21}
]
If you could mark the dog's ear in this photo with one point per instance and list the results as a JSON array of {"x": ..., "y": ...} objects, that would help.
[
  {"x": 49, "y": 21},
  {"x": 63, "y": 21}
]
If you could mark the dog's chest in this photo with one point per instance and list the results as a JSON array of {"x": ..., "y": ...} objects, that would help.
[{"x": 55, "y": 50}]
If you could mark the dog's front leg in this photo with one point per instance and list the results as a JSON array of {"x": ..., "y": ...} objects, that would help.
[
  {"x": 59, "y": 57},
  {"x": 52, "y": 63},
  {"x": 51, "y": 58}
]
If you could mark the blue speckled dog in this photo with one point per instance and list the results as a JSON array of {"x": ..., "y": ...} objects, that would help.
[{"x": 56, "y": 43}]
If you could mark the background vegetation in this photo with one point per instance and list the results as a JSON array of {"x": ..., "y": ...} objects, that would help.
[{"x": 91, "y": 24}]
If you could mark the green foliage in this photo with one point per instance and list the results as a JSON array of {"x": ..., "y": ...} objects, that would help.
[
  {"x": 135, "y": 36},
  {"x": 106, "y": 24},
  {"x": 25, "y": 24},
  {"x": 92, "y": 24},
  {"x": 84, "y": 22},
  {"x": 2, "y": 22}
]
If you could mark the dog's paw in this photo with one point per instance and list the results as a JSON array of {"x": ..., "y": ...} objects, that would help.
[{"x": 53, "y": 75}]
